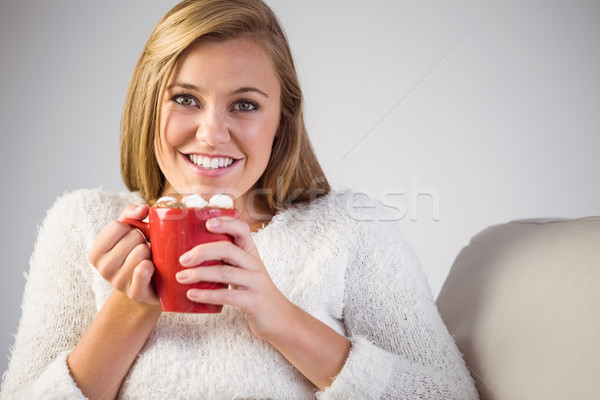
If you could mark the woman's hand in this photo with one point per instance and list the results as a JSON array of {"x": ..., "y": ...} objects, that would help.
[
  {"x": 252, "y": 289},
  {"x": 122, "y": 256}
]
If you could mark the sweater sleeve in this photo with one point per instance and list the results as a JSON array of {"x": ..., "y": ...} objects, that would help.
[
  {"x": 401, "y": 349},
  {"x": 58, "y": 305}
]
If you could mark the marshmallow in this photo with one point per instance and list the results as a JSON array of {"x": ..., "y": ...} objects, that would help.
[
  {"x": 194, "y": 200},
  {"x": 167, "y": 199},
  {"x": 221, "y": 201}
]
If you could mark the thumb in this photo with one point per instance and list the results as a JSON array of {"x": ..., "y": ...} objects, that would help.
[{"x": 133, "y": 211}]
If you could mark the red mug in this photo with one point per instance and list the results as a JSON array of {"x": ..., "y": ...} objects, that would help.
[{"x": 172, "y": 232}]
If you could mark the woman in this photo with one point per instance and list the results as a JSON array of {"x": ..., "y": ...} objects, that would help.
[{"x": 325, "y": 300}]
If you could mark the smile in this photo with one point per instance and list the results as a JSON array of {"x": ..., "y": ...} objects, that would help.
[{"x": 210, "y": 162}]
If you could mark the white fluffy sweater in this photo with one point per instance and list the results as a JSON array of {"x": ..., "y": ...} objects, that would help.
[{"x": 334, "y": 260}]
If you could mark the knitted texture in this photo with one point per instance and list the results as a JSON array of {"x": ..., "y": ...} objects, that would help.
[{"x": 338, "y": 260}]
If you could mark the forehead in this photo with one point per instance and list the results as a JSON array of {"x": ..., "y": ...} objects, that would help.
[{"x": 232, "y": 61}]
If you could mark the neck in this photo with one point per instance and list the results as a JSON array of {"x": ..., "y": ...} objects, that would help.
[{"x": 256, "y": 215}]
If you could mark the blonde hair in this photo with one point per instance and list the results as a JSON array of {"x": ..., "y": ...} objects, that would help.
[{"x": 293, "y": 173}]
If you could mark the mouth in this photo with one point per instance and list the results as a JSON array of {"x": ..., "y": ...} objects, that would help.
[{"x": 210, "y": 162}]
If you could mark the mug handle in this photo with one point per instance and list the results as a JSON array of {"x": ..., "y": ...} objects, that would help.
[{"x": 140, "y": 225}]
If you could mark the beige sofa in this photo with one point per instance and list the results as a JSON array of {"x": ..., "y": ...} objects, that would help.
[{"x": 523, "y": 303}]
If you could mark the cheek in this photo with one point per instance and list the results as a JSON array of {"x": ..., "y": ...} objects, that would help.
[
  {"x": 260, "y": 141},
  {"x": 174, "y": 129}
]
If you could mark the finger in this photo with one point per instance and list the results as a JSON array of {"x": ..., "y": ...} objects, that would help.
[
  {"x": 110, "y": 263},
  {"x": 226, "y": 252},
  {"x": 123, "y": 276},
  {"x": 141, "y": 289},
  {"x": 236, "y": 298},
  {"x": 239, "y": 230},
  {"x": 107, "y": 238},
  {"x": 133, "y": 211},
  {"x": 219, "y": 274},
  {"x": 114, "y": 231}
]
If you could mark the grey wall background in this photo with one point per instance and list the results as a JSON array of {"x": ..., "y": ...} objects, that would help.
[{"x": 484, "y": 111}]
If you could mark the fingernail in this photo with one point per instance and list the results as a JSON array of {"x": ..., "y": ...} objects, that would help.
[
  {"x": 182, "y": 275},
  {"x": 213, "y": 223},
  {"x": 185, "y": 259}
]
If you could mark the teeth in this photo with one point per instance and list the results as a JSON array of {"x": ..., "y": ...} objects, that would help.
[{"x": 210, "y": 163}]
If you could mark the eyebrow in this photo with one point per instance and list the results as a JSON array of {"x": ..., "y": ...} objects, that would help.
[
  {"x": 189, "y": 86},
  {"x": 183, "y": 85},
  {"x": 247, "y": 89}
]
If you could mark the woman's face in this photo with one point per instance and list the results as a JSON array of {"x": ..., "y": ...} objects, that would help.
[{"x": 219, "y": 117}]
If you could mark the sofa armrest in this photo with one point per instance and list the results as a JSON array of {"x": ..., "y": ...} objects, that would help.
[{"x": 523, "y": 303}]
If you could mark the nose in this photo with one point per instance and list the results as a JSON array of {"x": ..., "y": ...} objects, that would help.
[{"x": 212, "y": 128}]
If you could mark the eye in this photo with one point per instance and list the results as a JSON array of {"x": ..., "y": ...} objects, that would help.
[
  {"x": 184, "y": 100},
  {"x": 245, "y": 106}
]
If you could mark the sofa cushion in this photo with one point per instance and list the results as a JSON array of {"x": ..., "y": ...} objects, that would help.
[{"x": 523, "y": 303}]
